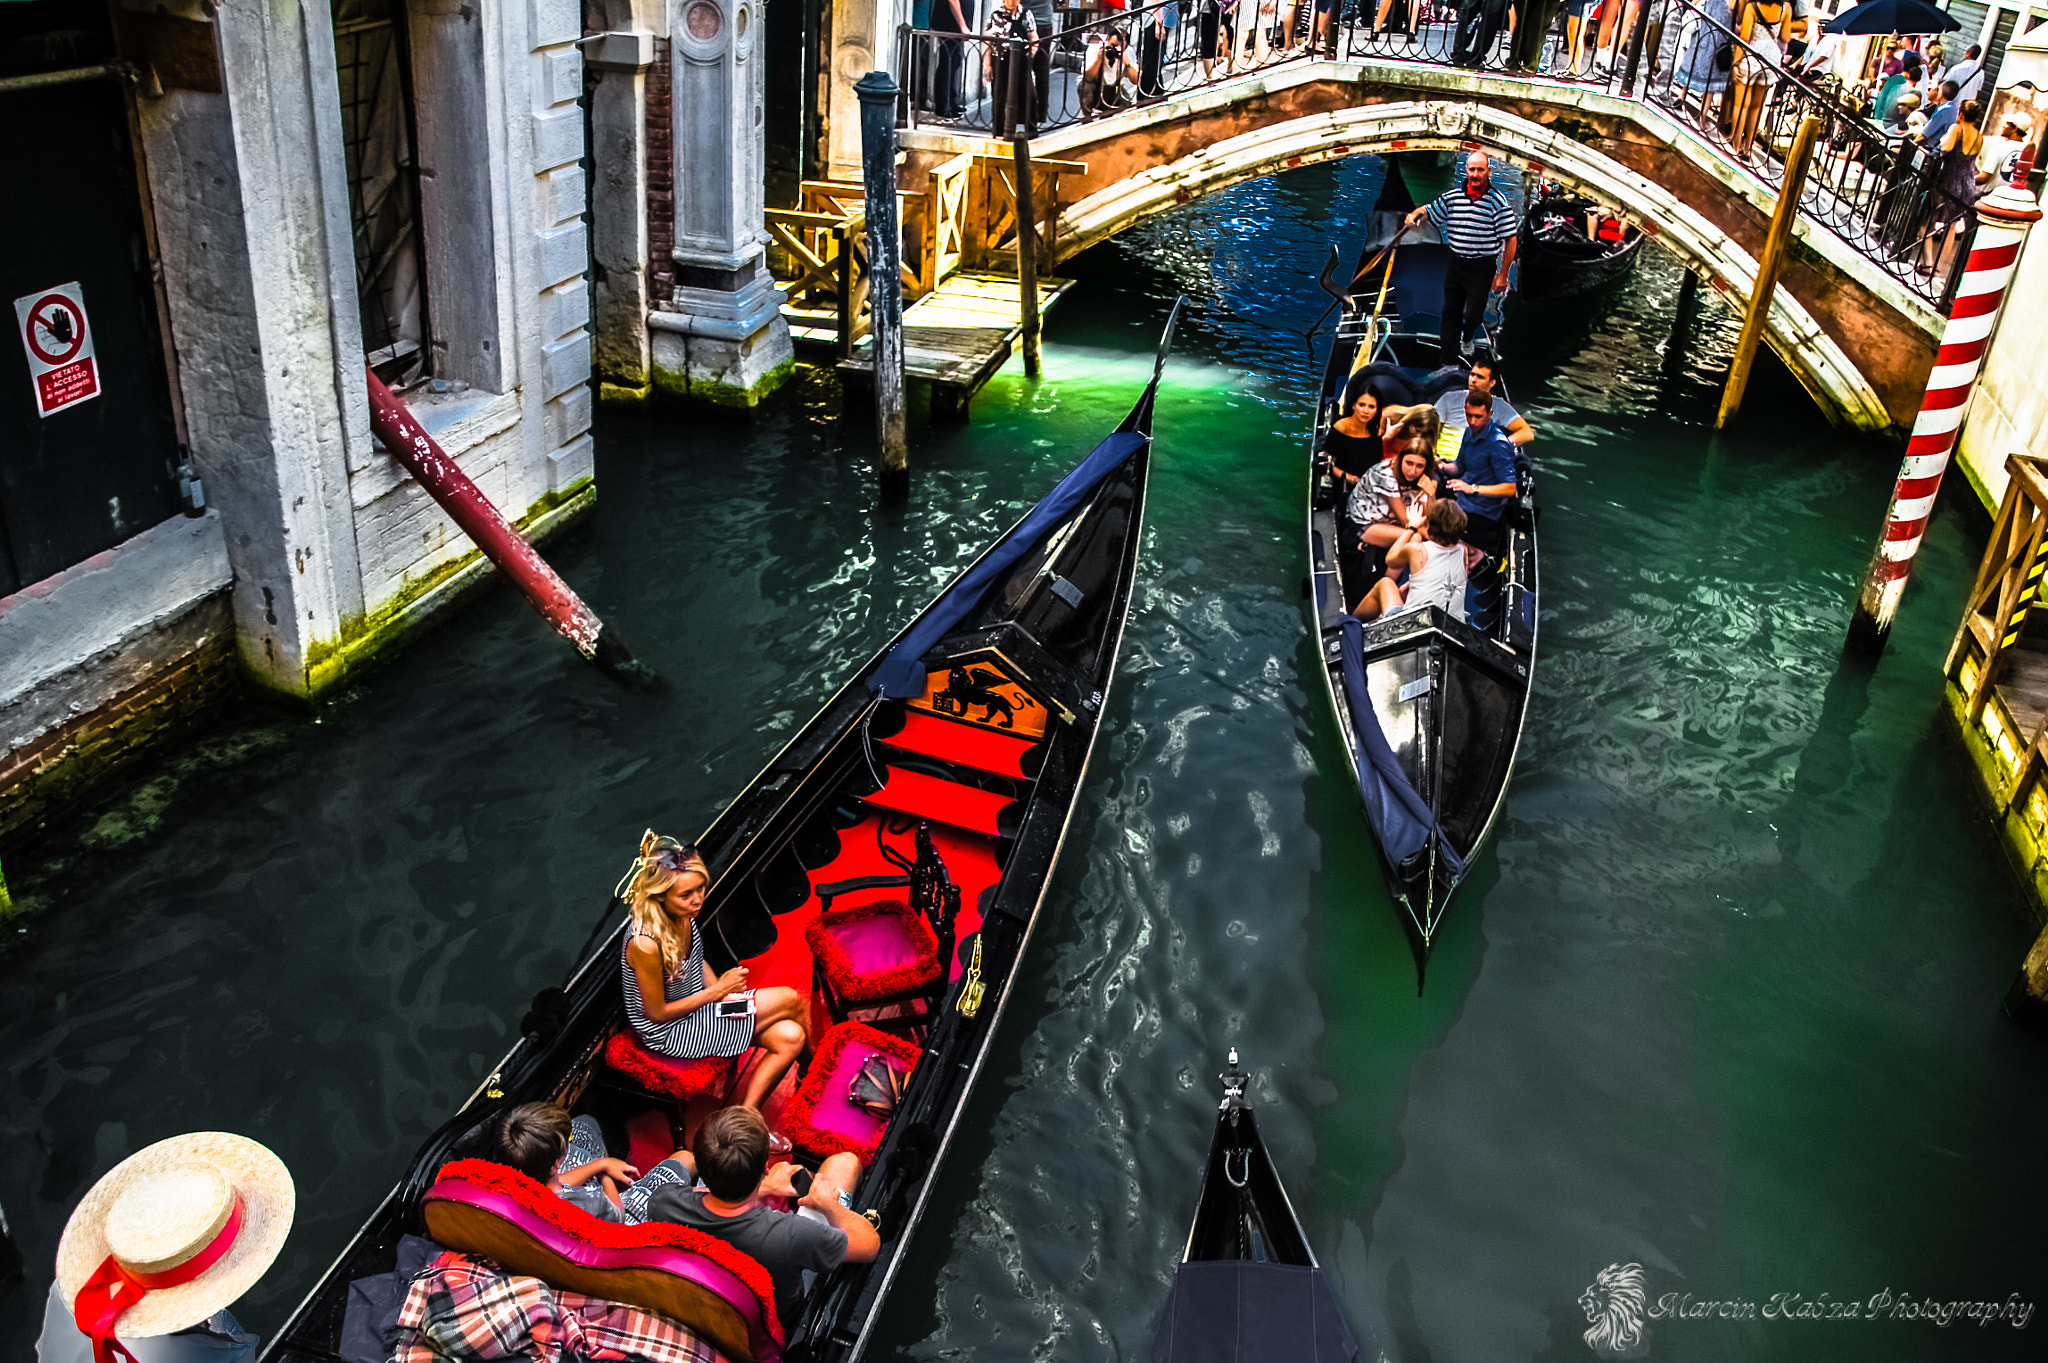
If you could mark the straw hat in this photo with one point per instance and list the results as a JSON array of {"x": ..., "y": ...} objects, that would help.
[{"x": 164, "y": 1206}]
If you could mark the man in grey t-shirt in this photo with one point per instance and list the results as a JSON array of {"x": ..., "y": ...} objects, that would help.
[
  {"x": 1450, "y": 408},
  {"x": 731, "y": 1151}
]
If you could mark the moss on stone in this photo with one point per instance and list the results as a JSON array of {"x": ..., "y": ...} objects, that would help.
[
  {"x": 731, "y": 396},
  {"x": 365, "y": 636},
  {"x": 624, "y": 392}
]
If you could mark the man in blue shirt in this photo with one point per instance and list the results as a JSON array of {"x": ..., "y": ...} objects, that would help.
[{"x": 1483, "y": 478}]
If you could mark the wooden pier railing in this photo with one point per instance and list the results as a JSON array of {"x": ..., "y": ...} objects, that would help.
[
  {"x": 1998, "y": 665},
  {"x": 963, "y": 218}
]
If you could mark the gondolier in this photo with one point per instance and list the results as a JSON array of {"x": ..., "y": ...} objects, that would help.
[{"x": 1478, "y": 224}]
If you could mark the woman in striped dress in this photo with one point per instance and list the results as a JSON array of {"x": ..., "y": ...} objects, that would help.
[{"x": 671, "y": 997}]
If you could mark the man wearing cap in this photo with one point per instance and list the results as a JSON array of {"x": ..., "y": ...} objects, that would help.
[{"x": 157, "y": 1250}]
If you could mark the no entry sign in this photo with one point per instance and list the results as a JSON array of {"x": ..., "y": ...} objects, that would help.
[{"x": 58, "y": 340}]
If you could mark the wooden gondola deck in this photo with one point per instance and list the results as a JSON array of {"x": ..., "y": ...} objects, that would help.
[{"x": 957, "y": 336}]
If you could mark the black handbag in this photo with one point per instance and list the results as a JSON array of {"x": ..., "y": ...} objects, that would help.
[{"x": 876, "y": 1088}]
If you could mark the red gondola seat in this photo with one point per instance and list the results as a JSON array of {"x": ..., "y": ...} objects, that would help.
[
  {"x": 874, "y": 955},
  {"x": 667, "y": 1075},
  {"x": 823, "y": 1119}
]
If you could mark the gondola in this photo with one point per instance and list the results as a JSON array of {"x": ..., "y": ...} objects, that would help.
[
  {"x": 1248, "y": 1288},
  {"x": 1564, "y": 254},
  {"x": 943, "y": 773},
  {"x": 1430, "y": 707}
]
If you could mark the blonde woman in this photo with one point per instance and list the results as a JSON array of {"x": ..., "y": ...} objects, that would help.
[{"x": 675, "y": 1005}]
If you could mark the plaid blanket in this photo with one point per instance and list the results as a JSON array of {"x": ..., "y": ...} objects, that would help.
[{"x": 465, "y": 1308}]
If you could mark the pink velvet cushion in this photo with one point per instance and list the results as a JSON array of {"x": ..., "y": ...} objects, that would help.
[
  {"x": 667, "y": 1074},
  {"x": 478, "y": 1207},
  {"x": 875, "y": 953},
  {"x": 822, "y": 1119}
]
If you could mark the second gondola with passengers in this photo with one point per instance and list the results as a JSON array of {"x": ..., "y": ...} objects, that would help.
[
  {"x": 858, "y": 914},
  {"x": 1422, "y": 548}
]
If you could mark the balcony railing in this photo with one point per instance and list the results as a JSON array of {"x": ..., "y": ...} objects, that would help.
[{"x": 1877, "y": 190}]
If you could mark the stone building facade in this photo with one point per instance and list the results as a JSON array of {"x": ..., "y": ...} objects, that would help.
[
  {"x": 686, "y": 306},
  {"x": 268, "y": 199}
]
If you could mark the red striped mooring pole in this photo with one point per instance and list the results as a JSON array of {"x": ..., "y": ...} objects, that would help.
[
  {"x": 2002, "y": 222},
  {"x": 397, "y": 431}
]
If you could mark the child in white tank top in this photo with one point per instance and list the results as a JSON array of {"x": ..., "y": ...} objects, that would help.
[{"x": 1435, "y": 566}]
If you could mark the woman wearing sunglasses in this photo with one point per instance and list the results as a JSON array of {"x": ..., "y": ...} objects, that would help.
[{"x": 675, "y": 1005}]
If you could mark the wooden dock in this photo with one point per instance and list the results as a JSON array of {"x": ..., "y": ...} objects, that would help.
[{"x": 957, "y": 336}]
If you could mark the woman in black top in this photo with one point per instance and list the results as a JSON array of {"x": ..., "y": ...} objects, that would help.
[{"x": 1353, "y": 444}]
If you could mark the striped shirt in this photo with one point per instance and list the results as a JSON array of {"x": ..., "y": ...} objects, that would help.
[{"x": 1473, "y": 227}]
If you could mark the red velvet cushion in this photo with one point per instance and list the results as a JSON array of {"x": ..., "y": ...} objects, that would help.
[
  {"x": 822, "y": 1119},
  {"x": 876, "y": 953},
  {"x": 666, "y": 1074}
]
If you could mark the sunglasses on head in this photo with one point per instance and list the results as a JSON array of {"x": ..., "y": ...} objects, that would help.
[{"x": 676, "y": 856}]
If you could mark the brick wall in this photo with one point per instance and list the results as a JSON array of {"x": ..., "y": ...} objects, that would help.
[
  {"x": 59, "y": 765},
  {"x": 661, "y": 180}
]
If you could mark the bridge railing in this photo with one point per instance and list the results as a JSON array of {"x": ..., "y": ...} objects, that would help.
[{"x": 1876, "y": 190}]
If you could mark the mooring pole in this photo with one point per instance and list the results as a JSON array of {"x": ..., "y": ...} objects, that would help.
[
  {"x": 1027, "y": 250},
  {"x": 2002, "y": 222},
  {"x": 885, "y": 272},
  {"x": 1767, "y": 268},
  {"x": 397, "y": 431}
]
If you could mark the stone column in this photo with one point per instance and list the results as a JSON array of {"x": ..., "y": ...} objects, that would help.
[
  {"x": 253, "y": 219},
  {"x": 721, "y": 338},
  {"x": 618, "y": 209}
]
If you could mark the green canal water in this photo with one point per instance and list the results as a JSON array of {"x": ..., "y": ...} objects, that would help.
[{"x": 1721, "y": 1002}]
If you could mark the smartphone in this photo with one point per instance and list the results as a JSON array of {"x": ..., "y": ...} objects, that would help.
[{"x": 735, "y": 1008}]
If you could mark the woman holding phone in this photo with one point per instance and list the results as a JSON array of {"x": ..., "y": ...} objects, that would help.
[{"x": 675, "y": 1005}]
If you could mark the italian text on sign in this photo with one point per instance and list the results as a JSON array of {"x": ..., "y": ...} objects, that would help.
[{"x": 59, "y": 344}]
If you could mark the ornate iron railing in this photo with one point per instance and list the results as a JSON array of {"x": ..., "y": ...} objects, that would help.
[{"x": 1875, "y": 189}]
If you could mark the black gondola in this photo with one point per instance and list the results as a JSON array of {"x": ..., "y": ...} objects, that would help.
[
  {"x": 1431, "y": 707},
  {"x": 1563, "y": 254},
  {"x": 962, "y": 743},
  {"x": 1248, "y": 1289}
]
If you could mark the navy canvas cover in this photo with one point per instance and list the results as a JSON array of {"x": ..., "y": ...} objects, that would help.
[
  {"x": 902, "y": 673},
  {"x": 1237, "y": 1311},
  {"x": 1399, "y": 818}
]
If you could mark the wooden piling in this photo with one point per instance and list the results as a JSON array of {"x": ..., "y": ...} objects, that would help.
[
  {"x": 1027, "y": 254},
  {"x": 1767, "y": 268},
  {"x": 885, "y": 270}
]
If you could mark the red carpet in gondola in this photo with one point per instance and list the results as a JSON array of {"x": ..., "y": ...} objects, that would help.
[
  {"x": 967, "y": 744},
  {"x": 941, "y": 801}
]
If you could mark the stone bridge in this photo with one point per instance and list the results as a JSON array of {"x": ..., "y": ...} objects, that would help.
[{"x": 1860, "y": 341}]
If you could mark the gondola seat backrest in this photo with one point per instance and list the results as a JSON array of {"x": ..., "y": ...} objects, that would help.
[{"x": 488, "y": 1209}]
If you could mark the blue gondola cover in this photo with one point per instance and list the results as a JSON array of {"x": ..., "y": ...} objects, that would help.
[
  {"x": 902, "y": 673},
  {"x": 1238, "y": 1311},
  {"x": 1400, "y": 819}
]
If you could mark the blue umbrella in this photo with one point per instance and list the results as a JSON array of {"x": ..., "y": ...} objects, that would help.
[{"x": 1891, "y": 16}]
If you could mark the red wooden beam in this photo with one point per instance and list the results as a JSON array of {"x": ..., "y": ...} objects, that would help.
[{"x": 398, "y": 431}]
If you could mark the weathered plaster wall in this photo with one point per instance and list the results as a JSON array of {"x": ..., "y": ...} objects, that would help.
[
  {"x": 2009, "y": 412},
  {"x": 323, "y": 550}
]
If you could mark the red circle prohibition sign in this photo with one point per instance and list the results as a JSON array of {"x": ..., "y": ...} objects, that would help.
[{"x": 63, "y": 321}]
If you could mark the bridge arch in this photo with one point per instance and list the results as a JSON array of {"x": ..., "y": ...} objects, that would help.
[{"x": 1827, "y": 373}]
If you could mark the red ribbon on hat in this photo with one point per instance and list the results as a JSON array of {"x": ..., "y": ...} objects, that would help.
[{"x": 112, "y": 1289}]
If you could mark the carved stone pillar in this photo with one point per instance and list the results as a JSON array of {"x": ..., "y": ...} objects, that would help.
[{"x": 721, "y": 338}]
